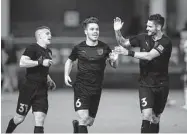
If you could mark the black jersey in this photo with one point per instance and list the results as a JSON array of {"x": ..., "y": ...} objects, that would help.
[
  {"x": 37, "y": 73},
  {"x": 155, "y": 72},
  {"x": 91, "y": 63}
]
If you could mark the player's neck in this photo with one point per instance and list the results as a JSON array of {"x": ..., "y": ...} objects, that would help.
[
  {"x": 158, "y": 35},
  {"x": 40, "y": 43},
  {"x": 91, "y": 43}
]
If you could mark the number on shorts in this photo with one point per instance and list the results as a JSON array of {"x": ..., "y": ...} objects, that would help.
[
  {"x": 23, "y": 107},
  {"x": 144, "y": 102},
  {"x": 78, "y": 103}
]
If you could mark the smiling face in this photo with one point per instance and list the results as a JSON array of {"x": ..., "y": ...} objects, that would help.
[
  {"x": 92, "y": 31},
  {"x": 151, "y": 28}
]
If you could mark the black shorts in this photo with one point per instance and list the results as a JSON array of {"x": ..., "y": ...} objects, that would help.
[
  {"x": 84, "y": 100},
  {"x": 153, "y": 97},
  {"x": 32, "y": 94}
]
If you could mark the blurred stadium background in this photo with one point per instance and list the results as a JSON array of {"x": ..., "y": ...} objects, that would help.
[{"x": 20, "y": 18}]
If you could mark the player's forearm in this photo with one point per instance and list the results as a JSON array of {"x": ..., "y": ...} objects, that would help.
[
  {"x": 121, "y": 40},
  {"x": 49, "y": 78},
  {"x": 118, "y": 36},
  {"x": 139, "y": 55},
  {"x": 68, "y": 67},
  {"x": 142, "y": 56},
  {"x": 28, "y": 63}
]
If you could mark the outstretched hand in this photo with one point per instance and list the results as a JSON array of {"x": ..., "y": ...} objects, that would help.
[
  {"x": 121, "y": 50},
  {"x": 118, "y": 24}
]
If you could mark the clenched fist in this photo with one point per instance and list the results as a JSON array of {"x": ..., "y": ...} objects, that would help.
[
  {"x": 51, "y": 85},
  {"x": 47, "y": 62}
]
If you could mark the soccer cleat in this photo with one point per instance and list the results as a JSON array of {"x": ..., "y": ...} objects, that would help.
[{"x": 75, "y": 126}]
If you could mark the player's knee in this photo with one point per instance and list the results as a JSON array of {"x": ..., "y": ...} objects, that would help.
[
  {"x": 39, "y": 119},
  {"x": 19, "y": 119},
  {"x": 84, "y": 117},
  {"x": 155, "y": 118},
  {"x": 147, "y": 114},
  {"x": 90, "y": 121}
]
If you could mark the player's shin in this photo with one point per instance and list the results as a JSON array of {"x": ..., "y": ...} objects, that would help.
[
  {"x": 38, "y": 129},
  {"x": 145, "y": 128},
  {"x": 75, "y": 126},
  {"x": 11, "y": 126},
  {"x": 154, "y": 128},
  {"x": 82, "y": 129}
]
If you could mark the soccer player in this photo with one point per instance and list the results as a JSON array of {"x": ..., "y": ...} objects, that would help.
[
  {"x": 37, "y": 58},
  {"x": 92, "y": 55},
  {"x": 154, "y": 55}
]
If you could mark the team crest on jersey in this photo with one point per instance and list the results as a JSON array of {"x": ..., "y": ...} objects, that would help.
[{"x": 100, "y": 51}]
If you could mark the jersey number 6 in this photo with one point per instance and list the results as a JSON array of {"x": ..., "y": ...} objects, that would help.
[{"x": 78, "y": 103}]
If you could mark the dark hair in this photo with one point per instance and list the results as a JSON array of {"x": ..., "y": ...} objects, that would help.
[
  {"x": 158, "y": 19},
  {"x": 42, "y": 27},
  {"x": 89, "y": 20}
]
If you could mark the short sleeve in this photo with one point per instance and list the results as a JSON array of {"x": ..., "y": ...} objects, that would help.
[
  {"x": 163, "y": 46},
  {"x": 29, "y": 51},
  {"x": 135, "y": 40},
  {"x": 73, "y": 55}
]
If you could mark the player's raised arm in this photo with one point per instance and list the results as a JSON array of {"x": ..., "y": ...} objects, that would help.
[
  {"x": 67, "y": 70},
  {"x": 118, "y": 24}
]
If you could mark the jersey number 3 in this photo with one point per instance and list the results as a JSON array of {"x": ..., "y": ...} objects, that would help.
[
  {"x": 144, "y": 102},
  {"x": 23, "y": 108}
]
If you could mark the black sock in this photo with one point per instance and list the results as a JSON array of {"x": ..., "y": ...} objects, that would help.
[
  {"x": 145, "y": 126},
  {"x": 75, "y": 126},
  {"x": 82, "y": 129},
  {"x": 38, "y": 129},
  {"x": 11, "y": 126},
  {"x": 154, "y": 128}
]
